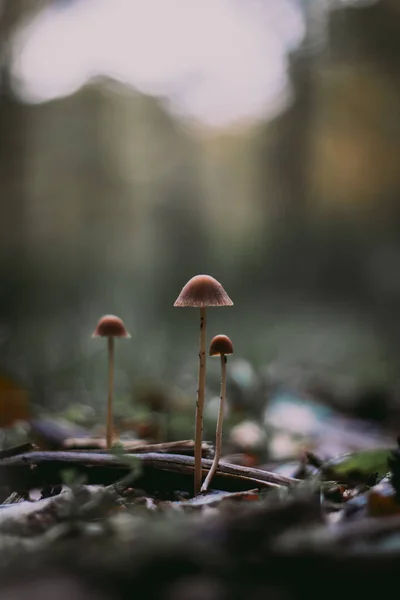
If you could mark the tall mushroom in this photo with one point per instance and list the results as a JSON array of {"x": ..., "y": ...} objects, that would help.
[
  {"x": 221, "y": 346},
  {"x": 201, "y": 291},
  {"x": 110, "y": 327}
]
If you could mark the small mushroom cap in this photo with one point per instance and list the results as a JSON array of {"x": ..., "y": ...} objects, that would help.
[
  {"x": 202, "y": 291},
  {"x": 110, "y": 326},
  {"x": 221, "y": 345}
]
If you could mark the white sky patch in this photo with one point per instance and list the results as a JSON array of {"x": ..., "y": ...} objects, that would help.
[{"x": 218, "y": 61}]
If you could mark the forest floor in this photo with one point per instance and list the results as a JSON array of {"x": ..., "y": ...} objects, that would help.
[{"x": 87, "y": 523}]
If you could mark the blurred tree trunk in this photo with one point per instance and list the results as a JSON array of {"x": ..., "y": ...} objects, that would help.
[
  {"x": 13, "y": 150},
  {"x": 286, "y": 163},
  {"x": 11, "y": 138},
  {"x": 372, "y": 36}
]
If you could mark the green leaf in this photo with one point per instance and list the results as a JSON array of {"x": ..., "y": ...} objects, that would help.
[{"x": 358, "y": 466}]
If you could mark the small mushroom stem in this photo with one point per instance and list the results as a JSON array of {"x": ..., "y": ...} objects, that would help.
[
  {"x": 109, "y": 433},
  {"x": 200, "y": 402},
  {"x": 218, "y": 436}
]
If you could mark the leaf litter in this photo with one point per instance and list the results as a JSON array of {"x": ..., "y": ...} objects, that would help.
[{"x": 111, "y": 519}]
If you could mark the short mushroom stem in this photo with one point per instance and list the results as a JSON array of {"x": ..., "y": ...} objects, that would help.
[
  {"x": 109, "y": 434},
  {"x": 218, "y": 436},
  {"x": 200, "y": 403}
]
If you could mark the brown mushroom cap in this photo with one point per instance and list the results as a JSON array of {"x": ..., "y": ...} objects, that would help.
[
  {"x": 110, "y": 326},
  {"x": 202, "y": 291},
  {"x": 220, "y": 345}
]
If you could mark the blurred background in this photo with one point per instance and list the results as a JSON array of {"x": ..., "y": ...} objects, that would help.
[{"x": 145, "y": 141}]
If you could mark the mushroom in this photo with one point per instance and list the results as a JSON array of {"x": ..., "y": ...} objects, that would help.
[
  {"x": 221, "y": 346},
  {"x": 110, "y": 327},
  {"x": 201, "y": 292}
]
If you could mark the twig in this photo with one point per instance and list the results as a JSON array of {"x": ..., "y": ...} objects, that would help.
[
  {"x": 159, "y": 471},
  {"x": 99, "y": 445},
  {"x": 15, "y": 450}
]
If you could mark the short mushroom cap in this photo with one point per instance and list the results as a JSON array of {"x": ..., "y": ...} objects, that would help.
[
  {"x": 110, "y": 326},
  {"x": 202, "y": 291},
  {"x": 220, "y": 345}
]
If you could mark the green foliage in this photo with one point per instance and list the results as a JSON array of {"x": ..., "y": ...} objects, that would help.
[{"x": 358, "y": 466}]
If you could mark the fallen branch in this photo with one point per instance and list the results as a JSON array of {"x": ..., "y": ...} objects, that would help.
[
  {"x": 15, "y": 450},
  {"x": 159, "y": 472},
  {"x": 99, "y": 445}
]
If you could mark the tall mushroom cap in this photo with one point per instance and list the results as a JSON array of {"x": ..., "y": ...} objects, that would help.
[
  {"x": 110, "y": 326},
  {"x": 202, "y": 291},
  {"x": 221, "y": 344}
]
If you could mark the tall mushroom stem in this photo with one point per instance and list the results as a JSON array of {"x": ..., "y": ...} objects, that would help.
[
  {"x": 200, "y": 292},
  {"x": 200, "y": 403},
  {"x": 109, "y": 434},
  {"x": 218, "y": 436}
]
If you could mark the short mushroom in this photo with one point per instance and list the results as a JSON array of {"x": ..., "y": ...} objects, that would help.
[
  {"x": 201, "y": 291},
  {"x": 221, "y": 346},
  {"x": 110, "y": 327}
]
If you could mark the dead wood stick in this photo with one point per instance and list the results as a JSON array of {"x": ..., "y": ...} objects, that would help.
[
  {"x": 15, "y": 450},
  {"x": 39, "y": 468},
  {"x": 99, "y": 445},
  {"x": 180, "y": 463}
]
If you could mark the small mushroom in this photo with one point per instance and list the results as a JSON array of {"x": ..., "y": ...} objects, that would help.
[
  {"x": 110, "y": 327},
  {"x": 221, "y": 346},
  {"x": 201, "y": 291}
]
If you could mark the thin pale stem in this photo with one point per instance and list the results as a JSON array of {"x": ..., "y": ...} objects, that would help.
[
  {"x": 200, "y": 403},
  {"x": 109, "y": 434},
  {"x": 218, "y": 436}
]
